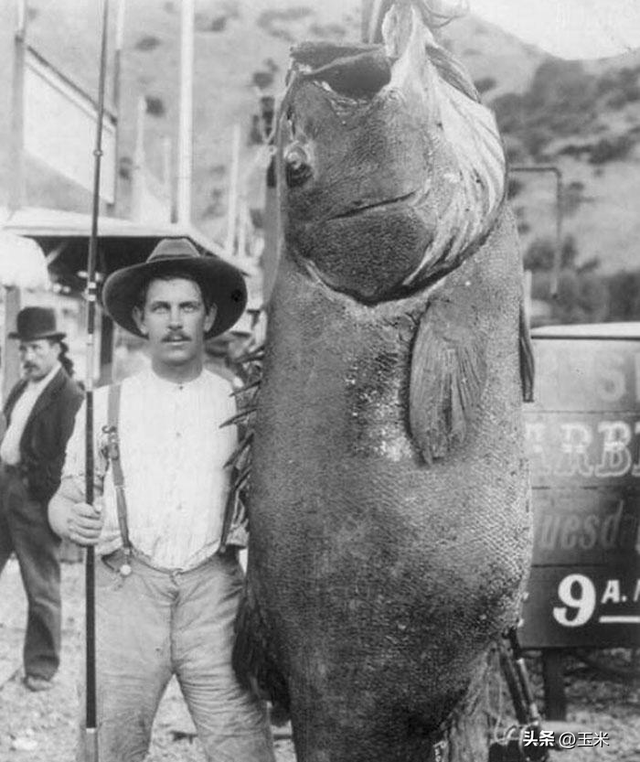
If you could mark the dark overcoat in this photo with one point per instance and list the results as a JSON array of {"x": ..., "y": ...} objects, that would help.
[{"x": 45, "y": 435}]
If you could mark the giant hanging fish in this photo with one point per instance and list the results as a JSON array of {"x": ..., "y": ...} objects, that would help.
[{"x": 388, "y": 501}]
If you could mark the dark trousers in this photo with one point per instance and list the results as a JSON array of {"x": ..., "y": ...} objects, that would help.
[{"x": 24, "y": 529}]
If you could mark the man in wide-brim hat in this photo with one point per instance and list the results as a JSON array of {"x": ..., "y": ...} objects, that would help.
[
  {"x": 39, "y": 413},
  {"x": 167, "y": 581}
]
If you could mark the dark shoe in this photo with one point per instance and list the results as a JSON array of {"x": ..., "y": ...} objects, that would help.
[{"x": 35, "y": 683}]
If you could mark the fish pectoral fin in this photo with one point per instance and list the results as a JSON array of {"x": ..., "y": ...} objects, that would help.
[
  {"x": 448, "y": 372},
  {"x": 527, "y": 365},
  {"x": 252, "y": 658}
]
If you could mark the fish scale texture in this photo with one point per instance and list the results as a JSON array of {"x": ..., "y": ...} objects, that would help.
[{"x": 380, "y": 581}]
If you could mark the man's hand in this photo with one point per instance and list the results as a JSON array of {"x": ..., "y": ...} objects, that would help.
[{"x": 84, "y": 522}]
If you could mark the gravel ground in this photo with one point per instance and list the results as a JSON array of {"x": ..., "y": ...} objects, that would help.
[{"x": 42, "y": 727}]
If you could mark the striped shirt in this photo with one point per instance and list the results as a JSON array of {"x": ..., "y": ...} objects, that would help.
[{"x": 172, "y": 453}]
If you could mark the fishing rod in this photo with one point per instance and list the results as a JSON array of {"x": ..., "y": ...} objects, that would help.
[{"x": 91, "y": 736}]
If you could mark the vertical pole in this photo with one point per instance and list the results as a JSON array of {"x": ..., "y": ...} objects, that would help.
[
  {"x": 117, "y": 93},
  {"x": 91, "y": 735},
  {"x": 242, "y": 227},
  {"x": 232, "y": 206},
  {"x": 137, "y": 178},
  {"x": 11, "y": 358},
  {"x": 557, "y": 263},
  {"x": 185, "y": 128},
  {"x": 372, "y": 14},
  {"x": 16, "y": 188},
  {"x": 167, "y": 185},
  {"x": 10, "y": 355},
  {"x": 117, "y": 58}
]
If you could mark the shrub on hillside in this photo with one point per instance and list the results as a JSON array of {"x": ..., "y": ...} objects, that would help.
[
  {"x": 572, "y": 197},
  {"x": 624, "y": 288},
  {"x": 561, "y": 100},
  {"x": 514, "y": 187},
  {"x": 274, "y": 21},
  {"x": 541, "y": 254},
  {"x": 262, "y": 79},
  {"x": 611, "y": 148},
  {"x": 576, "y": 150},
  {"x": 536, "y": 139},
  {"x": 148, "y": 42},
  {"x": 620, "y": 87},
  {"x": 556, "y": 81},
  {"x": 155, "y": 105},
  {"x": 515, "y": 152},
  {"x": 282, "y": 34},
  {"x": 218, "y": 24},
  {"x": 328, "y": 31},
  {"x": 267, "y": 18},
  {"x": 581, "y": 297},
  {"x": 510, "y": 112},
  {"x": 583, "y": 294}
]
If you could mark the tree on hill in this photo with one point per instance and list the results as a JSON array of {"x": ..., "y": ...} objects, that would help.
[
  {"x": 582, "y": 293},
  {"x": 624, "y": 288},
  {"x": 560, "y": 101}
]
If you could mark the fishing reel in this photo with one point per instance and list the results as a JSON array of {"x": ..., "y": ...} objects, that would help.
[{"x": 521, "y": 743}]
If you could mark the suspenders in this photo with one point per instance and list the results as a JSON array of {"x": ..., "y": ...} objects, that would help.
[{"x": 113, "y": 455}]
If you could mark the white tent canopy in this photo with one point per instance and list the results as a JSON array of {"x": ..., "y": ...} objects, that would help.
[{"x": 22, "y": 262}]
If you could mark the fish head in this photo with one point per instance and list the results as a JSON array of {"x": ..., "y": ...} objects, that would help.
[{"x": 391, "y": 171}]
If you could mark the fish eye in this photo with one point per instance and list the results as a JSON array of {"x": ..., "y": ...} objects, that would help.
[
  {"x": 296, "y": 156},
  {"x": 297, "y": 166}
]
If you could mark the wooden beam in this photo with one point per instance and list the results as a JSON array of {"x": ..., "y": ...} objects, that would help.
[{"x": 11, "y": 356}]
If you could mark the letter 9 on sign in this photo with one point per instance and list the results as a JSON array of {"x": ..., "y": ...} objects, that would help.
[{"x": 578, "y": 593}]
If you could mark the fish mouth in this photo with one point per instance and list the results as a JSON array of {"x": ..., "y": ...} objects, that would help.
[
  {"x": 379, "y": 205},
  {"x": 356, "y": 72}
]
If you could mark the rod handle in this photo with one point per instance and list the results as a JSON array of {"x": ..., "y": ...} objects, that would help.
[{"x": 90, "y": 745}]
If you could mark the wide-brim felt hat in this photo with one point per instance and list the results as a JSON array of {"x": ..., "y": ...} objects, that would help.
[
  {"x": 221, "y": 282},
  {"x": 35, "y": 323}
]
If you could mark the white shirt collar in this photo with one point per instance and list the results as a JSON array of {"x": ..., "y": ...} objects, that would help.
[{"x": 162, "y": 384}]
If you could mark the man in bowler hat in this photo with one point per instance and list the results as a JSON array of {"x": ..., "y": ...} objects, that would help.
[
  {"x": 39, "y": 414},
  {"x": 168, "y": 580}
]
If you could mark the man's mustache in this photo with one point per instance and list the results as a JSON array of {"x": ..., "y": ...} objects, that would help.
[{"x": 177, "y": 336}]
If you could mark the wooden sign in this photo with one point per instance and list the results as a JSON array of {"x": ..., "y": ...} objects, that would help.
[
  {"x": 583, "y": 443},
  {"x": 69, "y": 112}
]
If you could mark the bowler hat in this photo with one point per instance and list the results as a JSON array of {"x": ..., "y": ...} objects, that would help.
[
  {"x": 221, "y": 282},
  {"x": 33, "y": 323}
]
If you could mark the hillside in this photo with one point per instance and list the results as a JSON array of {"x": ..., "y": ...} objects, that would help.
[{"x": 584, "y": 118}]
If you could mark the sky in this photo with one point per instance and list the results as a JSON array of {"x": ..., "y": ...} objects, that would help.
[{"x": 571, "y": 29}]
